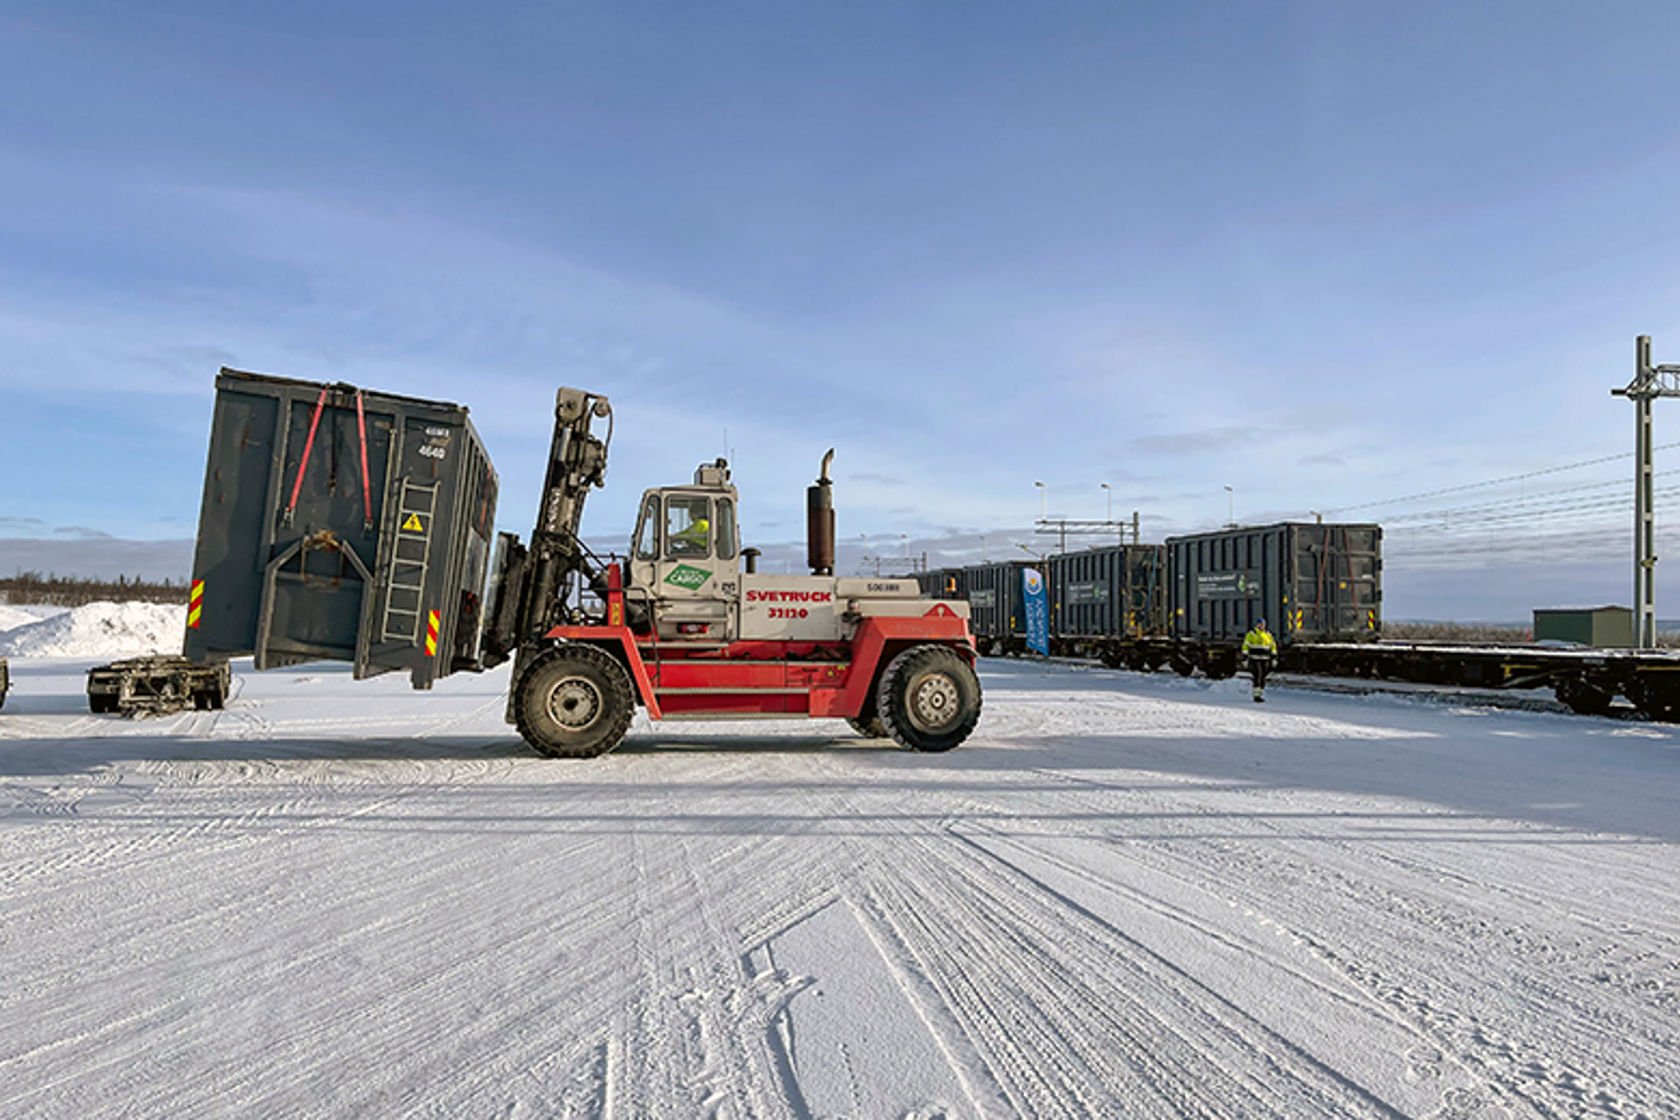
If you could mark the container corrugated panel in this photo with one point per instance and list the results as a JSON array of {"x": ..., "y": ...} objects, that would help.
[
  {"x": 1310, "y": 582},
  {"x": 994, "y": 594},
  {"x": 298, "y": 560},
  {"x": 1118, "y": 591}
]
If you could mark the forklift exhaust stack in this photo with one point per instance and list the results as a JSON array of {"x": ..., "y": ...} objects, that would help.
[{"x": 819, "y": 522}]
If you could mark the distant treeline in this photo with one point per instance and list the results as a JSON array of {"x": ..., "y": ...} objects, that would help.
[
  {"x": 66, "y": 591},
  {"x": 1485, "y": 633}
]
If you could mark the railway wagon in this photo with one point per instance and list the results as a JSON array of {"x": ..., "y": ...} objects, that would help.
[
  {"x": 341, "y": 524},
  {"x": 1103, "y": 598}
]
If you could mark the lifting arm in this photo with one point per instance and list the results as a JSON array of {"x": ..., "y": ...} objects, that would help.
[{"x": 534, "y": 585}]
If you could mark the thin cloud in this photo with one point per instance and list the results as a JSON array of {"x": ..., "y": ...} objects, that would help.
[{"x": 1191, "y": 443}]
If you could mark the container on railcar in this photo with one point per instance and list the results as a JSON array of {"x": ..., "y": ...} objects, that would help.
[
  {"x": 1311, "y": 582},
  {"x": 1114, "y": 593}
]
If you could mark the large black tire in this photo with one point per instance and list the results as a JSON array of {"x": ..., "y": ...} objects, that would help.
[
  {"x": 573, "y": 701},
  {"x": 871, "y": 728},
  {"x": 928, "y": 698}
]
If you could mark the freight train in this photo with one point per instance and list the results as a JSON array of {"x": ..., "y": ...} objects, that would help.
[{"x": 1186, "y": 604}]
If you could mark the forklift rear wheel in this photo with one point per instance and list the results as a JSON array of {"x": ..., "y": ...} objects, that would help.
[
  {"x": 929, "y": 698},
  {"x": 573, "y": 702}
]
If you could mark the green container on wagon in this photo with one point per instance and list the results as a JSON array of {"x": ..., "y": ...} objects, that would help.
[{"x": 341, "y": 524}]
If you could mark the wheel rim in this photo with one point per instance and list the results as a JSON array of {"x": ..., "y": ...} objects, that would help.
[
  {"x": 936, "y": 701},
  {"x": 574, "y": 704}
]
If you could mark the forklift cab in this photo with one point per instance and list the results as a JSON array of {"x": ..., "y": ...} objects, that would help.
[{"x": 682, "y": 575}]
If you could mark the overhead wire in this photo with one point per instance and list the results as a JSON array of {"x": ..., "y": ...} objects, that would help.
[
  {"x": 1524, "y": 476},
  {"x": 1577, "y": 522}
]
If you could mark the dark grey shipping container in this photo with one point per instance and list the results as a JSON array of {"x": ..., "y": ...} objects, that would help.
[
  {"x": 997, "y": 609},
  {"x": 341, "y": 524},
  {"x": 1309, "y": 582},
  {"x": 942, "y": 583},
  {"x": 1118, "y": 591}
]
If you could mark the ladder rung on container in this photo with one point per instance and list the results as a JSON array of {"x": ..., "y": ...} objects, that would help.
[{"x": 405, "y": 590}]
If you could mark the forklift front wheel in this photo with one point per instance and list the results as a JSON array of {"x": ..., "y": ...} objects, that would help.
[
  {"x": 573, "y": 702},
  {"x": 929, "y": 698}
]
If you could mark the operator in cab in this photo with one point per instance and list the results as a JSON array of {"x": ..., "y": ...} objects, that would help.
[
  {"x": 694, "y": 539},
  {"x": 1260, "y": 652}
]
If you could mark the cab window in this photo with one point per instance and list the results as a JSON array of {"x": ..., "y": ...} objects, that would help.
[
  {"x": 647, "y": 531},
  {"x": 688, "y": 527},
  {"x": 725, "y": 529}
]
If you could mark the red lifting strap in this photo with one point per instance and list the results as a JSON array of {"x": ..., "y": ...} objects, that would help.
[
  {"x": 308, "y": 446},
  {"x": 367, "y": 490}
]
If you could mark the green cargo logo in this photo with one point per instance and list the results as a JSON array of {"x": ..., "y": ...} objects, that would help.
[{"x": 691, "y": 578}]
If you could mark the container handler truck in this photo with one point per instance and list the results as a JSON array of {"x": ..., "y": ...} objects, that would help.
[{"x": 686, "y": 627}]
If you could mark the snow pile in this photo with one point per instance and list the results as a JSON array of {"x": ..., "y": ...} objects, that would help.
[
  {"x": 98, "y": 630},
  {"x": 12, "y": 617}
]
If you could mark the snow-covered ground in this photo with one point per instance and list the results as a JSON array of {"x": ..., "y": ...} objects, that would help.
[{"x": 1126, "y": 895}]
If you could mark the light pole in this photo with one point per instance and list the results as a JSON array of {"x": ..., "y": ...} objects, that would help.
[
  {"x": 1039, "y": 556},
  {"x": 1043, "y": 501},
  {"x": 1108, "y": 510},
  {"x": 1231, "y": 508}
]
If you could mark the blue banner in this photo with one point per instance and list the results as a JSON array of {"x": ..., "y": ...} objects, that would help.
[{"x": 1037, "y": 606}]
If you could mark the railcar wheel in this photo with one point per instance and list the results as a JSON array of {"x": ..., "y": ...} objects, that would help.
[
  {"x": 1584, "y": 697},
  {"x": 573, "y": 701},
  {"x": 928, "y": 698},
  {"x": 1656, "y": 702},
  {"x": 1183, "y": 666}
]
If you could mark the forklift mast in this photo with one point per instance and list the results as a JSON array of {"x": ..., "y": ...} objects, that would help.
[{"x": 532, "y": 586}]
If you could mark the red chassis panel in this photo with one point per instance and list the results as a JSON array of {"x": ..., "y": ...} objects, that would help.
[{"x": 769, "y": 678}]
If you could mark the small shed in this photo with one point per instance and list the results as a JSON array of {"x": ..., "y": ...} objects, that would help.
[{"x": 1604, "y": 627}]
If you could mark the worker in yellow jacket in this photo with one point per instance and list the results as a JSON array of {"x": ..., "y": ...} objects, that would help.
[{"x": 1260, "y": 651}]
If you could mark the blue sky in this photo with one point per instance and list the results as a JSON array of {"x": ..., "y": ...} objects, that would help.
[{"x": 1324, "y": 254}]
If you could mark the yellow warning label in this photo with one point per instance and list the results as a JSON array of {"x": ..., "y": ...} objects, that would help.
[{"x": 412, "y": 525}]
